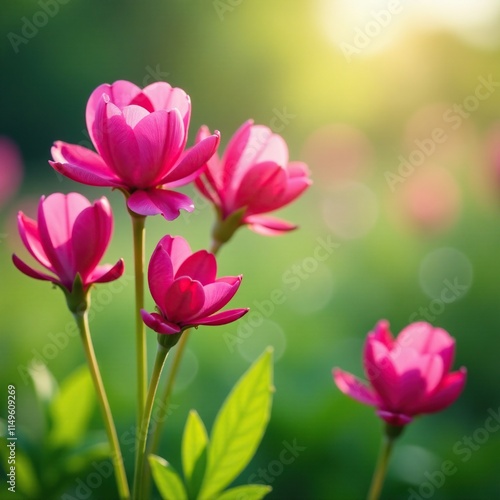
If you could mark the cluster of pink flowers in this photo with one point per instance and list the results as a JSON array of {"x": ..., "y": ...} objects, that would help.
[{"x": 140, "y": 137}]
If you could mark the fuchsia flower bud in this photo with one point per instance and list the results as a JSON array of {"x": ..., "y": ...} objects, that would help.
[
  {"x": 68, "y": 240},
  {"x": 408, "y": 376},
  {"x": 252, "y": 178},
  {"x": 184, "y": 286},
  {"x": 140, "y": 136}
]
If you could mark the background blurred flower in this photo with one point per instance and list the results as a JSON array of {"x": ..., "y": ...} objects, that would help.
[
  {"x": 252, "y": 178},
  {"x": 140, "y": 136},
  {"x": 69, "y": 239},
  {"x": 408, "y": 376},
  {"x": 11, "y": 170},
  {"x": 185, "y": 289},
  {"x": 429, "y": 200}
]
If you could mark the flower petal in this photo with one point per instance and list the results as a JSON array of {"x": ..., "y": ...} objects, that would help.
[
  {"x": 222, "y": 318},
  {"x": 159, "y": 201},
  {"x": 298, "y": 182},
  {"x": 268, "y": 226},
  {"x": 178, "y": 249},
  {"x": 121, "y": 93},
  {"x": 106, "y": 273},
  {"x": 261, "y": 189},
  {"x": 82, "y": 165},
  {"x": 159, "y": 324},
  {"x": 56, "y": 216},
  {"x": 392, "y": 418},
  {"x": 218, "y": 294},
  {"x": 192, "y": 162},
  {"x": 160, "y": 140},
  {"x": 200, "y": 266},
  {"x": 380, "y": 372},
  {"x": 163, "y": 96},
  {"x": 425, "y": 338},
  {"x": 450, "y": 388},
  {"x": 353, "y": 387},
  {"x": 28, "y": 230},
  {"x": 32, "y": 273},
  {"x": 160, "y": 274},
  {"x": 183, "y": 299},
  {"x": 90, "y": 236}
]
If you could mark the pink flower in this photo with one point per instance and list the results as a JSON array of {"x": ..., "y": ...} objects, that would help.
[
  {"x": 408, "y": 376},
  {"x": 184, "y": 286},
  {"x": 69, "y": 239},
  {"x": 140, "y": 136},
  {"x": 253, "y": 178}
]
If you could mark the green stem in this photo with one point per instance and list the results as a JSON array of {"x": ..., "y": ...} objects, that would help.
[
  {"x": 165, "y": 397},
  {"x": 141, "y": 462},
  {"x": 139, "y": 234},
  {"x": 383, "y": 461},
  {"x": 172, "y": 375},
  {"x": 116, "y": 455}
]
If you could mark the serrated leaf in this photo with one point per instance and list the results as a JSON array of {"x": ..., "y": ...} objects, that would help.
[
  {"x": 72, "y": 408},
  {"x": 246, "y": 492},
  {"x": 239, "y": 426},
  {"x": 194, "y": 452},
  {"x": 167, "y": 480}
]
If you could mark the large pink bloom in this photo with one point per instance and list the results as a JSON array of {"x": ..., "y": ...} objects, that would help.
[
  {"x": 408, "y": 376},
  {"x": 184, "y": 286},
  {"x": 140, "y": 136},
  {"x": 69, "y": 238},
  {"x": 253, "y": 176}
]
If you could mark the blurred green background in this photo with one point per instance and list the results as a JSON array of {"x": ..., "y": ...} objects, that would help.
[{"x": 394, "y": 105}]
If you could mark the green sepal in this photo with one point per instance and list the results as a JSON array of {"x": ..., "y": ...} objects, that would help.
[
  {"x": 78, "y": 299},
  {"x": 224, "y": 229},
  {"x": 168, "y": 340}
]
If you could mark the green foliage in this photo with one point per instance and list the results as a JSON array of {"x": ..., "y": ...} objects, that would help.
[
  {"x": 194, "y": 452},
  {"x": 246, "y": 492},
  {"x": 211, "y": 465},
  {"x": 167, "y": 480},
  {"x": 72, "y": 408},
  {"x": 68, "y": 447}
]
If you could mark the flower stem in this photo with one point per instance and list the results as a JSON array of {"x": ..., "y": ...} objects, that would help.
[
  {"x": 141, "y": 463},
  {"x": 116, "y": 455},
  {"x": 172, "y": 375},
  {"x": 139, "y": 234},
  {"x": 391, "y": 434},
  {"x": 165, "y": 397}
]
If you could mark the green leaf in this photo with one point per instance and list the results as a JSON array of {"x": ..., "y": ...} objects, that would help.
[
  {"x": 239, "y": 426},
  {"x": 194, "y": 452},
  {"x": 166, "y": 479},
  {"x": 72, "y": 408},
  {"x": 246, "y": 492}
]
